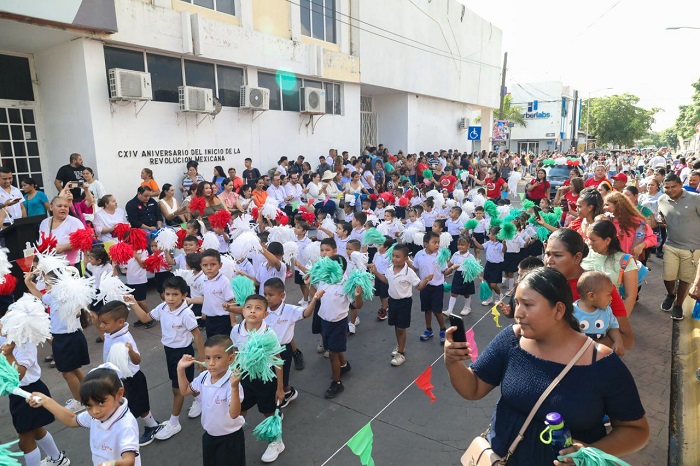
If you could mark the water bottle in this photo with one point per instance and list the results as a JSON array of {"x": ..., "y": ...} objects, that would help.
[
  {"x": 696, "y": 310},
  {"x": 556, "y": 433}
]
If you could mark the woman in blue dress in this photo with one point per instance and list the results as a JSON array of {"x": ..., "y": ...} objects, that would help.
[{"x": 524, "y": 359}]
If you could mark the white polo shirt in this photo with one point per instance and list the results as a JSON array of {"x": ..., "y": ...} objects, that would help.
[
  {"x": 215, "y": 398},
  {"x": 135, "y": 274},
  {"x": 25, "y": 355},
  {"x": 14, "y": 211},
  {"x": 123, "y": 335},
  {"x": 216, "y": 292},
  {"x": 196, "y": 288},
  {"x": 265, "y": 272},
  {"x": 401, "y": 283},
  {"x": 454, "y": 227},
  {"x": 381, "y": 262},
  {"x": 180, "y": 261},
  {"x": 334, "y": 304},
  {"x": 282, "y": 321},
  {"x": 494, "y": 251},
  {"x": 426, "y": 264},
  {"x": 458, "y": 258},
  {"x": 342, "y": 245},
  {"x": 302, "y": 243},
  {"x": 109, "y": 439},
  {"x": 356, "y": 234},
  {"x": 514, "y": 245},
  {"x": 246, "y": 267},
  {"x": 239, "y": 334},
  {"x": 176, "y": 326}
]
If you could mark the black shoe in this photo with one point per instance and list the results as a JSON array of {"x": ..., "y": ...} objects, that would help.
[
  {"x": 138, "y": 323},
  {"x": 298, "y": 357},
  {"x": 660, "y": 255},
  {"x": 346, "y": 368},
  {"x": 149, "y": 324},
  {"x": 667, "y": 305},
  {"x": 99, "y": 340},
  {"x": 677, "y": 313},
  {"x": 149, "y": 434},
  {"x": 49, "y": 358},
  {"x": 334, "y": 389},
  {"x": 289, "y": 397}
]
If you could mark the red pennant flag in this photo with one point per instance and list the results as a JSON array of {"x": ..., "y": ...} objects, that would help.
[{"x": 423, "y": 382}]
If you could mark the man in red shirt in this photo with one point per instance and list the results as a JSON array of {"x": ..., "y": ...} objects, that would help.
[
  {"x": 619, "y": 182},
  {"x": 597, "y": 178},
  {"x": 448, "y": 180}
]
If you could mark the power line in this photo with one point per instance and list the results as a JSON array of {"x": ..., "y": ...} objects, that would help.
[{"x": 598, "y": 19}]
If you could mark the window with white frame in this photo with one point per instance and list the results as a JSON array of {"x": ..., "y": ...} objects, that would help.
[
  {"x": 318, "y": 19},
  {"x": 223, "y": 6},
  {"x": 285, "y": 91}
]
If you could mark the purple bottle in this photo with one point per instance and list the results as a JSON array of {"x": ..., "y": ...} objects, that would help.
[{"x": 556, "y": 433}]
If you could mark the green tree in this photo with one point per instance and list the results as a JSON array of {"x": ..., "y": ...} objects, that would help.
[
  {"x": 510, "y": 113},
  {"x": 617, "y": 119},
  {"x": 669, "y": 137},
  {"x": 689, "y": 115}
]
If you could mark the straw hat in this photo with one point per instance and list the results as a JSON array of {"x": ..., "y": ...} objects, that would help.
[{"x": 328, "y": 175}]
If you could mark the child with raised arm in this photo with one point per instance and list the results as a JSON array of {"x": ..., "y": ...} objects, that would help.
[
  {"x": 179, "y": 329},
  {"x": 272, "y": 267}
]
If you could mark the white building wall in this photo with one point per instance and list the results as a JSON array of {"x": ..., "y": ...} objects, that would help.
[
  {"x": 392, "y": 120},
  {"x": 433, "y": 124}
]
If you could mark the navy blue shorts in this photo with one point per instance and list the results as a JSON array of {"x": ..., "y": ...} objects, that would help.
[
  {"x": 511, "y": 261},
  {"x": 24, "y": 417},
  {"x": 453, "y": 244},
  {"x": 257, "y": 392},
  {"x": 286, "y": 356},
  {"x": 493, "y": 272},
  {"x": 136, "y": 391},
  {"x": 218, "y": 325},
  {"x": 381, "y": 289},
  {"x": 70, "y": 351},
  {"x": 460, "y": 288},
  {"x": 172, "y": 357},
  {"x": 160, "y": 278},
  {"x": 335, "y": 335},
  {"x": 400, "y": 312},
  {"x": 480, "y": 237},
  {"x": 197, "y": 309},
  {"x": 140, "y": 291},
  {"x": 218, "y": 450},
  {"x": 316, "y": 320},
  {"x": 298, "y": 278},
  {"x": 431, "y": 298}
]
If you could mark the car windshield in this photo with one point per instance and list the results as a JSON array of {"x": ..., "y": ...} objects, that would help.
[{"x": 559, "y": 172}]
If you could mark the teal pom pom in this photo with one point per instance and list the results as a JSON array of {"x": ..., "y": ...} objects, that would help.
[
  {"x": 390, "y": 252},
  {"x": 7, "y": 457},
  {"x": 528, "y": 204},
  {"x": 443, "y": 256},
  {"x": 470, "y": 268},
  {"x": 532, "y": 220},
  {"x": 471, "y": 224},
  {"x": 9, "y": 376},
  {"x": 447, "y": 287},
  {"x": 514, "y": 213},
  {"x": 484, "y": 291},
  {"x": 491, "y": 208},
  {"x": 507, "y": 232},
  {"x": 427, "y": 174},
  {"x": 242, "y": 288},
  {"x": 543, "y": 233},
  {"x": 362, "y": 279},
  {"x": 270, "y": 429},
  {"x": 373, "y": 237},
  {"x": 325, "y": 270},
  {"x": 558, "y": 212},
  {"x": 258, "y": 357},
  {"x": 495, "y": 222},
  {"x": 551, "y": 218}
]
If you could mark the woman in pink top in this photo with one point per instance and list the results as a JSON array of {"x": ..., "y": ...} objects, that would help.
[{"x": 634, "y": 233}]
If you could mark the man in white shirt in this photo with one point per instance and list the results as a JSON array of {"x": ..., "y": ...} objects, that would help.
[
  {"x": 10, "y": 197},
  {"x": 277, "y": 192},
  {"x": 658, "y": 159}
]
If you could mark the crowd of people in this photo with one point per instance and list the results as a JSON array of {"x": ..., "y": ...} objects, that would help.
[{"x": 565, "y": 264}]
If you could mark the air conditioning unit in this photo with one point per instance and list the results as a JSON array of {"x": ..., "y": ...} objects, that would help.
[
  {"x": 255, "y": 98},
  {"x": 313, "y": 100},
  {"x": 463, "y": 123},
  {"x": 196, "y": 99},
  {"x": 129, "y": 85}
]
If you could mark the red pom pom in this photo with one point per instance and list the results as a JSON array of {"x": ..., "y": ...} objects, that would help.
[
  {"x": 197, "y": 205},
  {"x": 282, "y": 218},
  {"x": 255, "y": 212},
  {"x": 46, "y": 243},
  {"x": 388, "y": 197},
  {"x": 155, "y": 262},
  {"x": 409, "y": 194},
  {"x": 220, "y": 219},
  {"x": 308, "y": 217},
  {"x": 120, "y": 253},
  {"x": 81, "y": 240},
  {"x": 137, "y": 239},
  {"x": 8, "y": 285},
  {"x": 120, "y": 230},
  {"x": 181, "y": 234},
  {"x": 403, "y": 202},
  {"x": 373, "y": 197}
]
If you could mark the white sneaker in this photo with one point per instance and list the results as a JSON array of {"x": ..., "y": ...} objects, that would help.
[
  {"x": 320, "y": 348},
  {"x": 74, "y": 406},
  {"x": 272, "y": 451},
  {"x": 487, "y": 302},
  {"x": 61, "y": 461},
  {"x": 398, "y": 359},
  {"x": 326, "y": 354},
  {"x": 195, "y": 409},
  {"x": 357, "y": 320},
  {"x": 466, "y": 311},
  {"x": 302, "y": 302},
  {"x": 168, "y": 431},
  {"x": 395, "y": 351},
  {"x": 351, "y": 329}
]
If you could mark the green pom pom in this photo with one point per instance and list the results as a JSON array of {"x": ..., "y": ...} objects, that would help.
[
  {"x": 325, "y": 270},
  {"x": 558, "y": 212},
  {"x": 514, "y": 213},
  {"x": 443, "y": 256},
  {"x": 427, "y": 174},
  {"x": 7, "y": 457},
  {"x": 270, "y": 429},
  {"x": 543, "y": 233},
  {"x": 364, "y": 280},
  {"x": 373, "y": 237},
  {"x": 258, "y": 357},
  {"x": 471, "y": 268},
  {"x": 390, "y": 252},
  {"x": 495, "y": 222},
  {"x": 471, "y": 224},
  {"x": 484, "y": 291},
  {"x": 551, "y": 218},
  {"x": 532, "y": 220},
  {"x": 491, "y": 209},
  {"x": 528, "y": 204},
  {"x": 447, "y": 287},
  {"x": 9, "y": 376},
  {"x": 242, "y": 288},
  {"x": 507, "y": 232}
]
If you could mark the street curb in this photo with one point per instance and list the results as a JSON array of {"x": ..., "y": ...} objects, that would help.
[{"x": 675, "y": 432}]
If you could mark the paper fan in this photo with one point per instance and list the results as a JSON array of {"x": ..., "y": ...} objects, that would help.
[
  {"x": 245, "y": 245},
  {"x": 112, "y": 288},
  {"x": 26, "y": 321}
]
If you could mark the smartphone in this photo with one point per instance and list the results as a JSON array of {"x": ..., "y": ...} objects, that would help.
[
  {"x": 460, "y": 334},
  {"x": 537, "y": 212}
]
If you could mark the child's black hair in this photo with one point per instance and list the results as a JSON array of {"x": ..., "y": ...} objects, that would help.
[
  {"x": 441, "y": 223},
  {"x": 191, "y": 239},
  {"x": 305, "y": 226},
  {"x": 345, "y": 226},
  {"x": 194, "y": 261},
  {"x": 418, "y": 209},
  {"x": 361, "y": 217},
  {"x": 429, "y": 235},
  {"x": 479, "y": 208},
  {"x": 340, "y": 260},
  {"x": 176, "y": 283},
  {"x": 402, "y": 247},
  {"x": 100, "y": 254},
  {"x": 220, "y": 340},
  {"x": 275, "y": 248},
  {"x": 481, "y": 191},
  {"x": 117, "y": 309},
  {"x": 390, "y": 211},
  {"x": 212, "y": 253},
  {"x": 430, "y": 202},
  {"x": 275, "y": 284},
  {"x": 329, "y": 242},
  {"x": 356, "y": 245},
  {"x": 256, "y": 297},
  {"x": 457, "y": 208},
  {"x": 494, "y": 230},
  {"x": 530, "y": 263},
  {"x": 388, "y": 242},
  {"x": 99, "y": 384},
  {"x": 196, "y": 225}
]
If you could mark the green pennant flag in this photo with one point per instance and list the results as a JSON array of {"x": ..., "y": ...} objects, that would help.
[
  {"x": 295, "y": 206},
  {"x": 361, "y": 444},
  {"x": 522, "y": 196}
]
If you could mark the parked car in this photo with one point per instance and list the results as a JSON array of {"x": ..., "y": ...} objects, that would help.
[{"x": 556, "y": 176}]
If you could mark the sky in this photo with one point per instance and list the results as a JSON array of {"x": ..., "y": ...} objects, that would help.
[{"x": 592, "y": 45}]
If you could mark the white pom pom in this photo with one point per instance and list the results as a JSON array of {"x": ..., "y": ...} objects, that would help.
[
  {"x": 468, "y": 208},
  {"x": 49, "y": 262},
  {"x": 26, "y": 322},
  {"x": 329, "y": 225},
  {"x": 438, "y": 198},
  {"x": 445, "y": 239},
  {"x": 360, "y": 260},
  {"x": 241, "y": 224},
  {"x": 281, "y": 234},
  {"x": 450, "y": 203},
  {"x": 5, "y": 266},
  {"x": 73, "y": 294},
  {"x": 112, "y": 288},
  {"x": 228, "y": 266},
  {"x": 418, "y": 238},
  {"x": 186, "y": 274},
  {"x": 166, "y": 239},
  {"x": 464, "y": 175},
  {"x": 408, "y": 234},
  {"x": 119, "y": 356},
  {"x": 210, "y": 241},
  {"x": 269, "y": 209},
  {"x": 463, "y": 218},
  {"x": 503, "y": 211},
  {"x": 458, "y": 195},
  {"x": 245, "y": 245},
  {"x": 383, "y": 228},
  {"x": 291, "y": 252},
  {"x": 311, "y": 254}
]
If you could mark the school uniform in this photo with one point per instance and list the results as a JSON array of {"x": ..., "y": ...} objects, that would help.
[
  {"x": 429, "y": 218},
  {"x": 479, "y": 232},
  {"x": 223, "y": 244},
  {"x": 356, "y": 233},
  {"x": 69, "y": 348},
  {"x": 382, "y": 262},
  {"x": 459, "y": 286},
  {"x": 349, "y": 217},
  {"x": 216, "y": 292},
  {"x": 256, "y": 391},
  {"x": 176, "y": 335},
  {"x": 180, "y": 261},
  {"x": 301, "y": 243},
  {"x": 333, "y": 311},
  {"x": 135, "y": 387},
  {"x": 341, "y": 245},
  {"x": 24, "y": 417},
  {"x": 400, "y": 291},
  {"x": 137, "y": 277},
  {"x": 256, "y": 260},
  {"x": 454, "y": 228},
  {"x": 160, "y": 277},
  {"x": 536, "y": 247},
  {"x": 223, "y": 443},
  {"x": 282, "y": 321},
  {"x": 266, "y": 272},
  {"x": 197, "y": 291},
  {"x": 513, "y": 256},
  {"x": 110, "y": 439},
  {"x": 431, "y": 297},
  {"x": 493, "y": 270},
  {"x": 394, "y": 228},
  {"x": 420, "y": 226}
]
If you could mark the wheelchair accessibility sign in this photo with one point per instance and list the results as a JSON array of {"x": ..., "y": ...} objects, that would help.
[{"x": 474, "y": 133}]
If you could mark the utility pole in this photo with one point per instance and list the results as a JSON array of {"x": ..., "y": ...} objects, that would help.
[
  {"x": 503, "y": 85},
  {"x": 574, "y": 115}
]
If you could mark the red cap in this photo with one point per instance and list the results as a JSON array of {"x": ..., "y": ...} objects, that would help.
[{"x": 620, "y": 177}]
